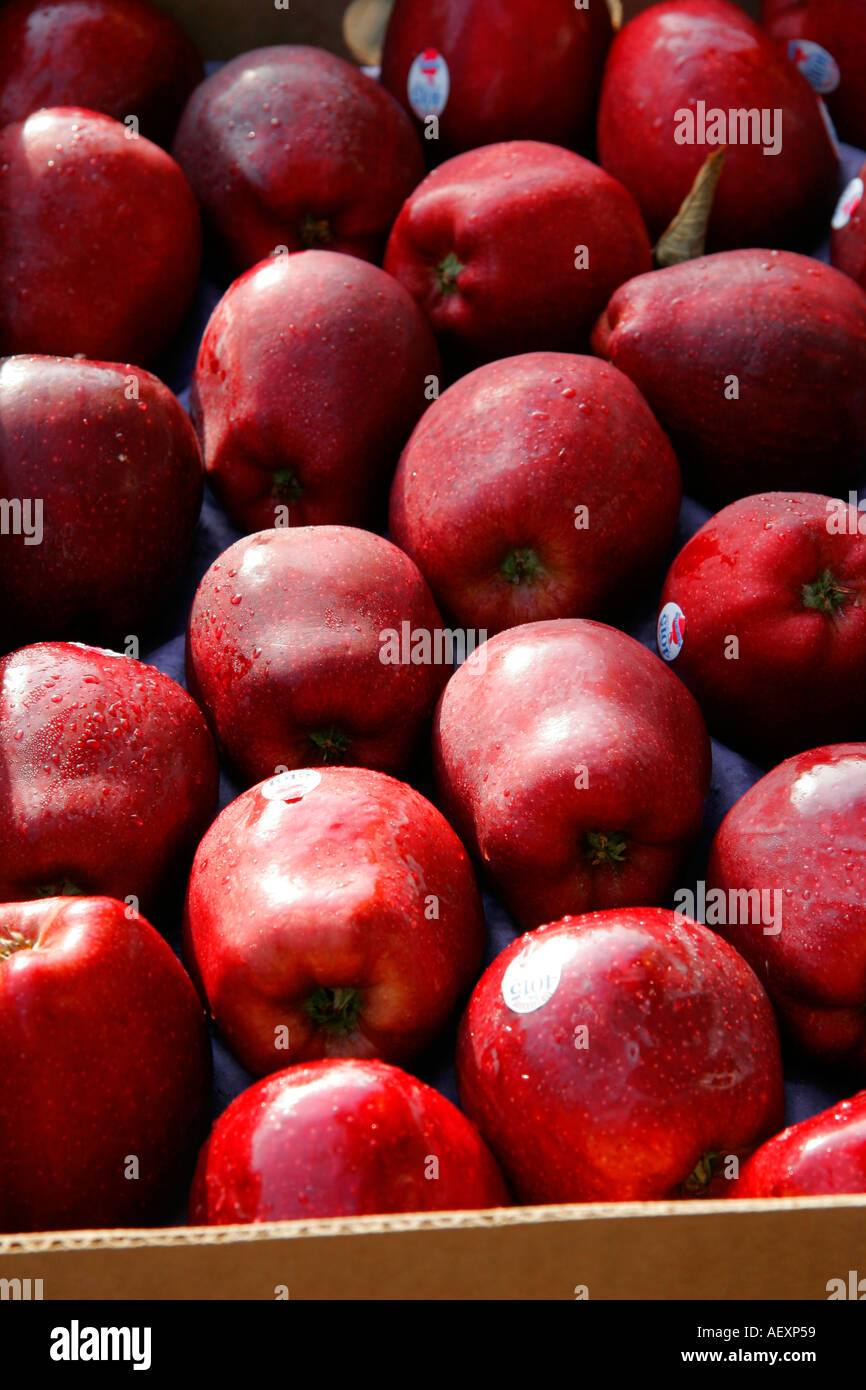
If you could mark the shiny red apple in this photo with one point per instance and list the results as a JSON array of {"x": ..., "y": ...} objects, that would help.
[
  {"x": 818, "y": 1157},
  {"x": 331, "y": 914},
  {"x": 108, "y": 775},
  {"x": 341, "y": 1138},
  {"x": 826, "y": 40},
  {"x": 106, "y": 1066},
  {"x": 99, "y": 239},
  {"x": 107, "y": 471},
  {"x": 620, "y": 1056}
]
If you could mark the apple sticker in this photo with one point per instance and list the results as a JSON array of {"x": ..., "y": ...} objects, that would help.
[
  {"x": 428, "y": 84},
  {"x": 532, "y": 978},
  {"x": 671, "y": 631},
  {"x": 291, "y": 786}
]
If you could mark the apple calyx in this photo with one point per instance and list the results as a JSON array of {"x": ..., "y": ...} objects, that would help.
[
  {"x": 447, "y": 272},
  {"x": 335, "y": 1010},
  {"x": 330, "y": 743},
  {"x": 603, "y": 848},
  {"x": 286, "y": 486},
  {"x": 825, "y": 595},
  {"x": 702, "y": 1174},
  {"x": 315, "y": 231},
  {"x": 686, "y": 237},
  {"x": 521, "y": 567},
  {"x": 12, "y": 941},
  {"x": 60, "y": 888}
]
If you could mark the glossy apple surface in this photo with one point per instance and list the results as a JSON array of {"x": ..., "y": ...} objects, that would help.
[
  {"x": 619, "y": 1056},
  {"x": 751, "y": 361},
  {"x": 331, "y": 914},
  {"x": 118, "y": 478},
  {"x": 574, "y": 765},
  {"x": 771, "y": 591},
  {"x": 99, "y": 239},
  {"x": 569, "y": 505},
  {"x": 108, "y": 775},
  {"x": 106, "y": 1066},
  {"x": 800, "y": 834},
  {"x": 294, "y": 146},
  {"x": 674, "y": 56},
  {"x": 341, "y": 1138},
  {"x": 819, "y": 1157},
  {"x": 516, "y": 247},
  {"x": 506, "y": 71},
  {"x": 288, "y": 651},
  {"x": 311, "y": 374},
  {"x": 120, "y": 57}
]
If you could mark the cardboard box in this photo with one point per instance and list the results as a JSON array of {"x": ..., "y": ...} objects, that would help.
[{"x": 785, "y": 1249}]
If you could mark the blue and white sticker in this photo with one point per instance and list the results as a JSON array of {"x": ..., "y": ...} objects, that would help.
[
  {"x": 671, "y": 633},
  {"x": 429, "y": 84},
  {"x": 291, "y": 786},
  {"x": 848, "y": 204},
  {"x": 818, "y": 66},
  {"x": 532, "y": 978}
]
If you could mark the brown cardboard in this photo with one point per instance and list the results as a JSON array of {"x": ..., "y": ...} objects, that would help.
[
  {"x": 783, "y": 1249},
  {"x": 786, "y": 1249}
]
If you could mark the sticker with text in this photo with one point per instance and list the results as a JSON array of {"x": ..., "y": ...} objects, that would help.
[
  {"x": 848, "y": 204},
  {"x": 671, "y": 631},
  {"x": 531, "y": 979},
  {"x": 291, "y": 786},
  {"x": 819, "y": 67},
  {"x": 428, "y": 84}
]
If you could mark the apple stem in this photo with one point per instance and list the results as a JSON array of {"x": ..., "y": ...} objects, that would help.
[
  {"x": 703, "y": 1172},
  {"x": 521, "y": 567},
  {"x": 335, "y": 1010},
  {"x": 13, "y": 941},
  {"x": 825, "y": 595},
  {"x": 603, "y": 848},
  {"x": 315, "y": 231},
  {"x": 60, "y": 888},
  {"x": 330, "y": 743},
  {"x": 447, "y": 272},
  {"x": 286, "y": 485}
]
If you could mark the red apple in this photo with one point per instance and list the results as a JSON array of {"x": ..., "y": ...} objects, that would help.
[
  {"x": 291, "y": 146},
  {"x": 296, "y": 650},
  {"x": 620, "y": 1056},
  {"x": 795, "y": 844},
  {"x": 106, "y": 1066},
  {"x": 687, "y": 78},
  {"x": 771, "y": 594},
  {"x": 516, "y": 247},
  {"x": 99, "y": 239},
  {"x": 848, "y": 236},
  {"x": 341, "y": 1138},
  {"x": 331, "y": 914},
  {"x": 826, "y": 39},
  {"x": 569, "y": 505},
  {"x": 108, "y": 775},
  {"x": 310, "y": 376},
  {"x": 819, "y": 1157},
  {"x": 752, "y": 362},
  {"x": 110, "y": 468},
  {"x": 574, "y": 765},
  {"x": 492, "y": 70},
  {"x": 120, "y": 57}
]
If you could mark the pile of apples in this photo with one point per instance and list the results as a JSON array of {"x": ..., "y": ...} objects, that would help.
[{"x": 482, "y": 322}]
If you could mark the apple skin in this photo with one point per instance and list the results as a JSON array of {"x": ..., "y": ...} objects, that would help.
[
  {"x": 99, "y": 239},
  {"x": 105, "y": 1055},
  {"x": 680, "y": 1059},
  {"x": 120, "y": 57},
  {"x": 797, "y": 678},
  {"x": 547, "y": 432},
  {"x": 516, "y": 72},
  {"x": 800, "y": 831},
  {"x": 487, "y": 246},
  {"x": 108, "y": 775},
  {"x": 848, "y": 241},
  {"x": 284, "y": 651},
  {"x": 332, "y": 161},
  {"x": 568, "y": 760},
  {"x": 839, "y": 26},
  {"x": 308, "y": 911},
  {"x": 793, "y": 333},
  {"x": 340, "y": 1137},
  {"x": 310, "y": 377},
  {"x": 675, "y": 54},
  {"x": 818, "y": 1157},
  {"x": 121, "y": 484}
]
